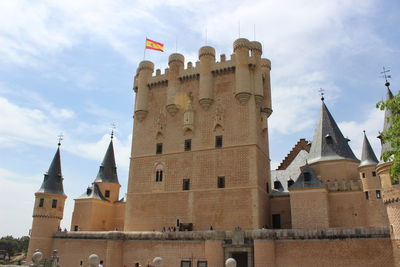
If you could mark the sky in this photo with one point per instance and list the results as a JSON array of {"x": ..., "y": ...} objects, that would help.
[{"x": 67, "y": 67}]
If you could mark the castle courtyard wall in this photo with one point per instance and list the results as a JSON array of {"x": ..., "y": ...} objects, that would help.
[{"x": 275, "y": 248}]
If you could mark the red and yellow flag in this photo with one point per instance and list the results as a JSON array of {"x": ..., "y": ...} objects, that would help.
[{"x": 150, "y": 44}]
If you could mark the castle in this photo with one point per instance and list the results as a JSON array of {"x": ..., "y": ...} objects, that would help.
[{"x": 200, "y": 188}]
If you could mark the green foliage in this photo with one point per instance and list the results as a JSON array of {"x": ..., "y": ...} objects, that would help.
[
  {"x": 13, "y": 246},
  {"x": 392, "y": 135}
]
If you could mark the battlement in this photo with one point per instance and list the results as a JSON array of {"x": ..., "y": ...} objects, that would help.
[
  {"x": 223, "y": 66},
  {"x": 264, "y": 234}
]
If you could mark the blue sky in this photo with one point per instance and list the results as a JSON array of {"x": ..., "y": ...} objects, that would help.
[{"x": 68, "y": 66}]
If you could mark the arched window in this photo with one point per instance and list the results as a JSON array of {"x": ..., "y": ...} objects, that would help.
[{"x": 159, "y": 172}]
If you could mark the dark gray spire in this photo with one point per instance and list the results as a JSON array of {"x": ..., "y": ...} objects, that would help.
[
  {"x": 108, "y": 169},
  {"x": 386, "y": 125},
  {"x": 328, "y": 142},
  {"x": 307, "y": 178},
  {"x": 367, "y": 156},
  {"x": 53, "y": 180}
]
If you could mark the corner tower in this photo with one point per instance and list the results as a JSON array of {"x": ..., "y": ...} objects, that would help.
[
  {"x": 202, "y": 151},
  {"x": 99, "y": 208},
  {"x": 375, "y": 210},
  {"x": 48, "y": 209}
]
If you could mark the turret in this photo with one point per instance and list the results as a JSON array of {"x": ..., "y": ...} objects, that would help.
[
  {"x": 48, "y": 209},
  {"x": 256, "y": 50},
  {"x": 144, "y": 73},
  {"x": 266, "y": 72},
  {"x": 176, "y": 65},
  {"x": 107, "y": 177},
  {"x": 207, "y": 60},
  {"x": 375, "y": 210},
  {"x": 241, "y": 48}
]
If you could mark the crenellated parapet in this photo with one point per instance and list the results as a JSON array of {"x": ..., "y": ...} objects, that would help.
[{"x": 251, "y": 71}]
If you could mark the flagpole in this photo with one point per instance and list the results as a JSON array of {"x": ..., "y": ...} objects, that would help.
[{"x": 144, "y": 52}]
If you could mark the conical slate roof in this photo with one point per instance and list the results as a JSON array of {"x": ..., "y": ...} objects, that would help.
[
  {"x": 328, "y": 142},
  {"x": 93, "y": 191},
  {"x": 367, "y": 156},
  {"x": 53, "y": 180},
  {"x": 108, "y": 169},
  {"x": 386, "y": 125},
  {"x": 307, "y": 179}
]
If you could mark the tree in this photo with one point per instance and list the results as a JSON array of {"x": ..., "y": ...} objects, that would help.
[{"x": 392, "y": 135}]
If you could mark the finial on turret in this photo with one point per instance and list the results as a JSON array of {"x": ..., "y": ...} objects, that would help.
[
  {"x": 113, "y": 127},
  {"x": 386, "y": 76},
  {"x": 60, "y": 138},
  {"x": 321, "y": 91}
]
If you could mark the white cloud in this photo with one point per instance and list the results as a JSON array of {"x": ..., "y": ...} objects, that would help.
[
  {"x": 372, "y": 125},
  {"x": 17, "y": 201}
]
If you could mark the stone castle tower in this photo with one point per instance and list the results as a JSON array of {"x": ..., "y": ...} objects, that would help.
[
  {"x": 391, "y": 192},
  {"x": 100, "y": 208},
  {"x": 48, "y": 209},
  {"x": 200, "y": 142}
]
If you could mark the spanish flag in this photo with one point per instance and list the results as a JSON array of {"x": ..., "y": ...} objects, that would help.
[{"x": 150, "y": 44}]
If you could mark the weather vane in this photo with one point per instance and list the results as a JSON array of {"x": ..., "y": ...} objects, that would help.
[
  {"x": 386, "y": 76},
  {"x": 60, "y": 138},
  {"x": 113, "y": 127},
  {"x": 321, "y": 91}
]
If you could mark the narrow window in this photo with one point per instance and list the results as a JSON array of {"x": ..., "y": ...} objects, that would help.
[
  {"x": 202, "y": 264},
  {"x": 221, "y": 181},
  {"x": 218, "y": 141},
  {"x": 54, "y": 204},
  {"x": 159, "y": 148},
  {"x": 363, "y": 175},
  {"x": 188, "y": 145},
  {"x": 307, "y": 177},
  {"x": 267, "y": 187},
  {"x": 159, "y": 176},
  {"x": 107, "y": 193},
  {"x": 76, "y": 228},
  {"x": 41, "y": 202},
  {"x": 378, "y": 194},
  {"x": 290, "y": 182},
  {"x": 177, "y": 223},
  {"x": 186, "y": 264},
  {"x": 186, "y": 184},
  {"x": 366, "y": 195},
  {"x": 374, "y": 174}
]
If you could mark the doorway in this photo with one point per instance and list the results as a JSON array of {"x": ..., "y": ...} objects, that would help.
[
  {"x": 276, "y": 221},
  {"x": 241, "y": 258}
]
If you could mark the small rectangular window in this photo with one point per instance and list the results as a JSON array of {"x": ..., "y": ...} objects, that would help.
[
  {"x": 202, "y": 264},
  {"x": 363, "y": 175},
  {"x": 41, "y": 202},
  {"x": 186, "y": 264},
  {"x": 267, "y": 187},
  {"x": 54, "y": 204},
  {"x": 374, "y": 174},
  {"x": 366, "y": 195},
  {"x": 76, "y": 228},
  {"x": 378, "y": 194},
  {"x": 159, "y": 148},
  {"x": 188, "y": 145},
  {"x": 221, "y": 181},
  {"x": 186, "y": 184},
  {"x": 307, "y": 177},
  {"x": 218, "y": 141},
  {"x": 107, "y": 193}
]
